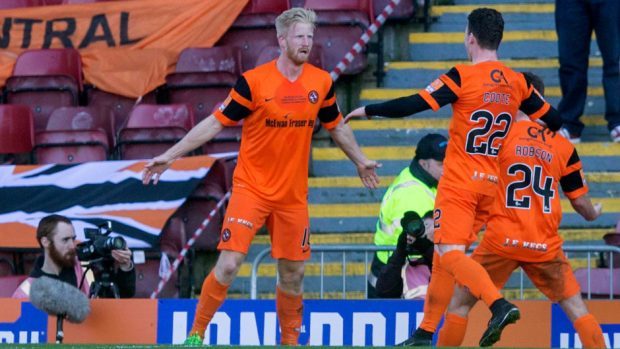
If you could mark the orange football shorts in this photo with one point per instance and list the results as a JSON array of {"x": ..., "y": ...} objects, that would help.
[
  {"x": 459, "y": 215},
  {"x": 289, "y": 228},
  {"x": 554, "y": 278}
]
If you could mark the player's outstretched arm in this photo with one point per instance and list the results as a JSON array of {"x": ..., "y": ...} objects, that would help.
[
  {"x": 197, "y": 136},
  {"x": 357, "y": 113},
  {"x": 583, "y": 205},
  {"x": 343, "y": 136}
]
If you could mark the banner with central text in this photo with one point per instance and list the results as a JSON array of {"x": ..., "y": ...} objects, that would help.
[
  {"x": 127, "y": 47},
  {"x": 325, "y": 323}
]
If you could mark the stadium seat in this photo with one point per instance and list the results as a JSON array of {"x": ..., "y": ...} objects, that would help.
[
  {"x": 173, "y": 237},
  {"x": 6, "y": 266},
  {"x": 8, "y": 284},
  {"x": 9, "y": 4},
  {"x": 16, "y": 134},
  {"x": 203, "y": 78},
  {"x": 152, "y": 129},
  {"x": 71, "y": 146},
  {"x": 147, "y": 279},
  {"x": 45, "y": 80},
  {"x": 254, "y": 29},
  {"x": 119, "y": 105},
  {"x": 228, "y": 140},
  {"x": 74, "y": 135},
  {"x": 599, "y": 282},
  {"x": 16, "y": 129},
  {"x": 340, "y": 25}
]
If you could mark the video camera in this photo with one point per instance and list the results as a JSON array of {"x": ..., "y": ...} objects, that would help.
[
  {"x": 99, "y": 244},
  {"x": 413, "y": 224}
]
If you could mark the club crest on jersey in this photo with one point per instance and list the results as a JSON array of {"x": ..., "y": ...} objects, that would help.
[
  {"x": 226, "y": 235},
  {"x": 313, "y": 97},
  {"x": 434, "y": 86}
]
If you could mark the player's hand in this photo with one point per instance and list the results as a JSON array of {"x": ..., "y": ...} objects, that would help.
[
  {"x": 368, "y": 175},
  {"x": 155, "y": 168},
  {"x": 357, "y": 113}
]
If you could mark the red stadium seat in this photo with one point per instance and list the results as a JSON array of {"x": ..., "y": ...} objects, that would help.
[
  {"x": 9, "y": 4},
  {"x": 16, "y": 129},
  {"x": 147, "y": 279},
  {"x": 8, "y": 284},
  {"x": 254, "y": 29},
  {"x": 210, "y": 59},
  {"x": 119, "y": 105},
  {"x": 45, "y": 80},
  {"x": 6, "y": 266},
  {"x": 83, "y": 118},
  {"x": 74, "y": 135},
  {"x": 203, "y": 78},
  {"x": 228, "y": 140},
  {"x": 173, "y": 237},
  {"x": 67, "y": 147},
  {"x": 152, "y": 129},
  {"x": 340, "y": 25}
]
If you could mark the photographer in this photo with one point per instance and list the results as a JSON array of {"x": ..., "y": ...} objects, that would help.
[
  {"x": 56, "y": 235},
  {"x": 414, "y": 190},
  {"x": 408, "y": 270}
]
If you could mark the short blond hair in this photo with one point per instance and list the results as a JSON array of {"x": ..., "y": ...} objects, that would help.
[{"x": 295, "y": 15}]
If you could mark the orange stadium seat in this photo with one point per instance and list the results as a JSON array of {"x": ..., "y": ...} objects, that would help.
[
  {"x": 203, "y": 78},
  {"x": 254, "y": 29},
  {"x": 45, "y": 80},
  {"x": 75, "y": 134},
  {"x": 16, "y": 129},
  {"x": 152, "y": 129},
  {"x": 9, "y": 4},
  {"x": 340, "y": 25},
  {"x": 8, "y": 284}
]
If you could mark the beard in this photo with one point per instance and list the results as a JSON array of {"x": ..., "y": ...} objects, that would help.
[
  {"x": 297, "y": 57},
  {"x": 65, "y": 261}
]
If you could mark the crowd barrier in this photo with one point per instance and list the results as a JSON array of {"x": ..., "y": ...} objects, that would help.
[{"x": 325, "y": 323}]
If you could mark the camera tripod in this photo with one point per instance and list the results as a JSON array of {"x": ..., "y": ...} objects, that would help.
[{"x": 103, "y": 286}]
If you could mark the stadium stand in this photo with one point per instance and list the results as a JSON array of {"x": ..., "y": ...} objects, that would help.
[
  {"x": 339, "y": 25},
  {"x": 203, "y": 77},
  {"x": 45, "y": 80},
  {"x": 151, "y": 129},
  {"x": 254, "y": 29}
]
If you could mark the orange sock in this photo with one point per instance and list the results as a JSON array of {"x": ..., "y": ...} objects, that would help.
[
  {"x": 212, "y": 295},
  {"x": 453, "y": 331},
  {"x": 290, "y": 309},
  {"x": 438, "y": 295},
  {"x": 471, "y": 274},
  {"x": 589, "y": 332}
]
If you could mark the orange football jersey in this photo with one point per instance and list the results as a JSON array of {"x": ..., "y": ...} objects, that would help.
[
  {"x": 487, "y": 98},
  {"x": 278, "y": 118},
  {"x": 527, "y": 211}
]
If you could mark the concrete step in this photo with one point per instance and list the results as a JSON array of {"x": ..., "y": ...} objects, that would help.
[
  {"x": 360, "y": 217},
  {"x": 520, "y": 16},
  {"x": 408, "y": 131},
  {"x": 419, "y": 74},
  {"x": 595, "y": 102},
  {"x": 350, "y": 189},
  {"x": 596, "y": 157},
  {"x": 440, "y": 46}
]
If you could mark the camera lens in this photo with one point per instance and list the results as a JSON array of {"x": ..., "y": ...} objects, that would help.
[{"x": 116, "y": 243}]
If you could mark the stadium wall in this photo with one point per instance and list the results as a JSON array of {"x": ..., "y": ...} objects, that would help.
[{"x": 326, "y": 322}]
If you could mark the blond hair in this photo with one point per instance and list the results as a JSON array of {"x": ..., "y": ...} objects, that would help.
[{"x": 295, "y": 15}]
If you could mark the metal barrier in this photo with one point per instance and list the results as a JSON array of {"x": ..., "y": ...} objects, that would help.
[{"x": 344, "y": 249}]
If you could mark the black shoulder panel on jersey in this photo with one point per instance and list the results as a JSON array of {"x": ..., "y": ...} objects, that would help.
[
  {"x": 574, "y": 158},
  {"x": 571, "y": 181},
  {"x": 236, "y": 111},
  {"x": 242, "y": 88},
  {"x": 455, "y": 76}
]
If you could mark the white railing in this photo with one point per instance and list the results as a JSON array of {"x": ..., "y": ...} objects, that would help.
[{"x": 366, "y": 249}]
